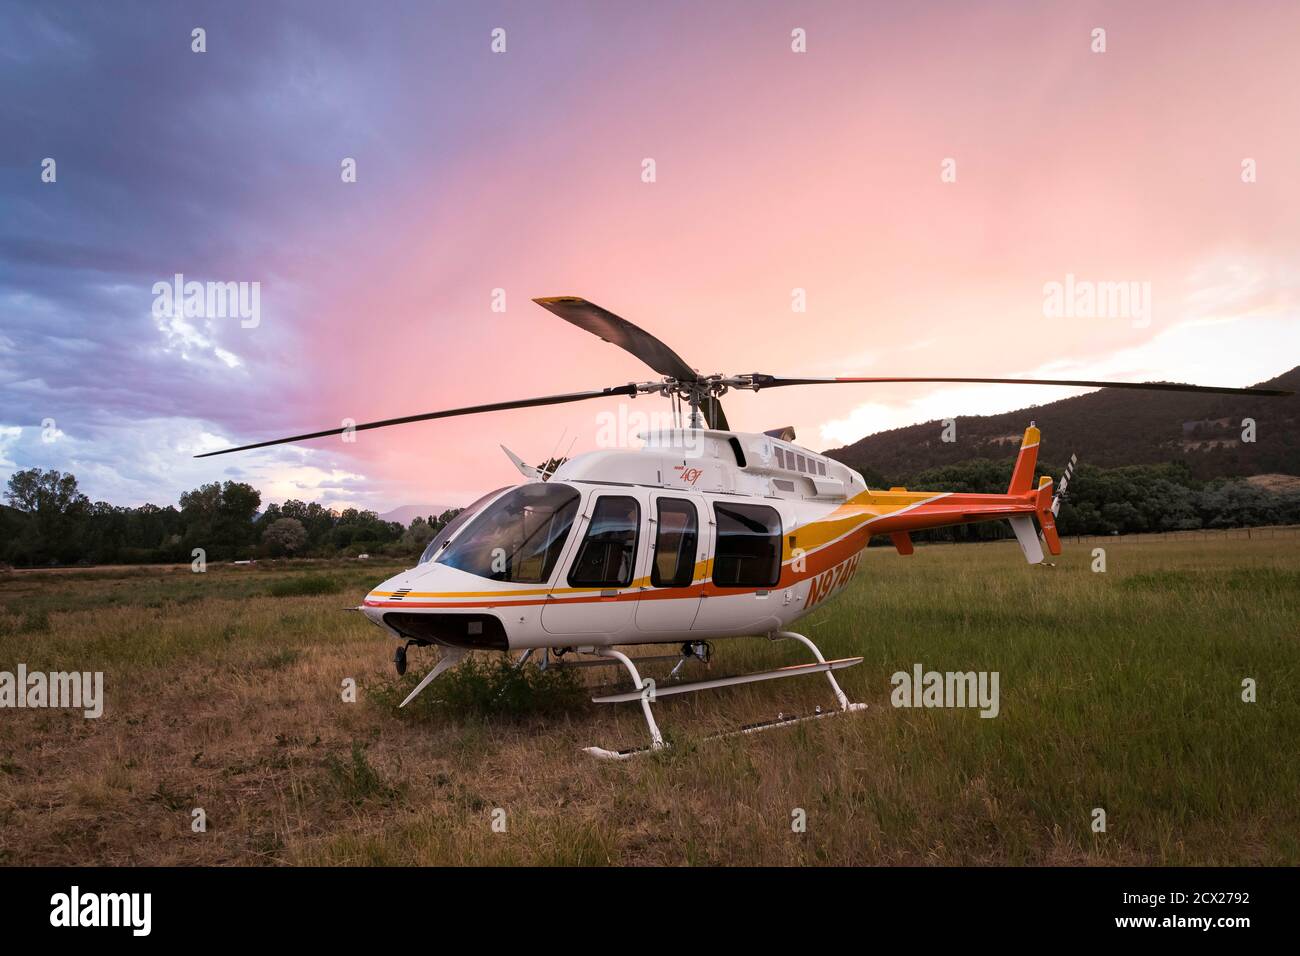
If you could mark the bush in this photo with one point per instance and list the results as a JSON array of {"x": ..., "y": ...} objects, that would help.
[
  {"x": 493, "y": 686},
  {"x": 356, "y": 781},
  {"x": 305, "y": 584}
]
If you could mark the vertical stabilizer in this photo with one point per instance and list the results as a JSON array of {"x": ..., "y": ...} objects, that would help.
[{"x": 1022, "y": 476}]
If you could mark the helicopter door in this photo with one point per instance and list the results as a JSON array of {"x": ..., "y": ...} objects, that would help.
[
  {"x": 669, "y": 601},
  {"x": 595, "y": 596}
]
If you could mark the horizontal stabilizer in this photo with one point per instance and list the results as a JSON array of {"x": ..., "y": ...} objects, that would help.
[{"x": 1023, "y": 526}]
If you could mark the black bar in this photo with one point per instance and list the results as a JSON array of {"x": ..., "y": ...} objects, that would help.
[{"x": 654, "y": 906}]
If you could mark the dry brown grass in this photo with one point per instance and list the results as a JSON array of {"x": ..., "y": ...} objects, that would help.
[{"x": 1118, "y": 690}]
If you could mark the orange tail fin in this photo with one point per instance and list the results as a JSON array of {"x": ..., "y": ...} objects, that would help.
[{"x": 1022, "y": 477}]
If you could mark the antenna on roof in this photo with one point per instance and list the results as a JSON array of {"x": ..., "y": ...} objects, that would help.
[
  {"x": 546, "y": 474},
  {"x": 552, "y": 464}
]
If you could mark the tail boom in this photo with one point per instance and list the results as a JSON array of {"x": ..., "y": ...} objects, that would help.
[{"x": 1021, "y": 506}]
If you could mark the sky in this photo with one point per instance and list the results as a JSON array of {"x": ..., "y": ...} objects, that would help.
[{"x": 901, "y": 196}]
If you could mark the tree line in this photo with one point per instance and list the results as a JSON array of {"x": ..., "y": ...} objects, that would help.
[{"x": 50, "y": 522}]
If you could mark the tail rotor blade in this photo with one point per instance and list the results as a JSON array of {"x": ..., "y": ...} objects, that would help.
[{"x": 1065, "y": 483}]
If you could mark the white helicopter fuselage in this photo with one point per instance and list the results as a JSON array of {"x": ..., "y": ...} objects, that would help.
[
  {"x": 700, "y": 534},
  {"x": 670, "y": 566}
]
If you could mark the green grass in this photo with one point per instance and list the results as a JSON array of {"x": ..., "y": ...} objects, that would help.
[
  {"x": 305, "y": 584},
  {"x": 354, "y": 780},
  {"x": 1120, "y": 690}
]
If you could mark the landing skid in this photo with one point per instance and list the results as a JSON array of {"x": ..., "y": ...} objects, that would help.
[
  {"x": 780, "y": 720},
  {"x": 646, "y": 692}
]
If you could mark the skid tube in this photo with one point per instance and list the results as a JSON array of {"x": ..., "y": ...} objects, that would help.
[{"x": 646, "y": 692}]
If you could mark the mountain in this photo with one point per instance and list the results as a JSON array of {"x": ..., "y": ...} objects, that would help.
[
  {"x": 1108, "y": 428},
  {"x": 408, "y": 513}
]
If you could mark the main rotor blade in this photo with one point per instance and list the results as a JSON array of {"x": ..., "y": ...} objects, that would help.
[
  {"x": 774, "y": 381},
  {"x": 448, "y": 413},
  {"x": 619, "y": 331}
]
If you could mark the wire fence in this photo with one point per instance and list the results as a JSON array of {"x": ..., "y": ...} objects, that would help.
[
  {"x": 1264, "y": 533},
  {"x": 992, "y": 534}
]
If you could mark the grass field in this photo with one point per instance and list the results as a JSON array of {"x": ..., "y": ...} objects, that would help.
[{"x": 1120, "y": 690}]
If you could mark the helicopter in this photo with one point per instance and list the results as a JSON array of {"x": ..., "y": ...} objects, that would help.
[{"x": 701, "y": 534}]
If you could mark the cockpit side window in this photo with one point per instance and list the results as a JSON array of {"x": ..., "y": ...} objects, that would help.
[{"x": 519, "y": 537}]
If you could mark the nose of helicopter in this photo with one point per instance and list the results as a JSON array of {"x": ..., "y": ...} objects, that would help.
[
  {"x": 396, "y": 590},
  {"x": 429, "y": 605}
]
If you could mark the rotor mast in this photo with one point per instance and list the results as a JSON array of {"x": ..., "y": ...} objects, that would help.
[{"x": 697, "y": 420}]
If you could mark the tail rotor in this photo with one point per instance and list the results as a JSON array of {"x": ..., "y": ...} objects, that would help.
[{"x": 1065, "y": 482}]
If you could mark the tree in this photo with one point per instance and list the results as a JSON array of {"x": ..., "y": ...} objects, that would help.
[
  {"x": 59, "y": 512},
  {"x": 285, "y": 536},
  {"x": 417, "y": 536},
  {"x": 219, "y": 518}
]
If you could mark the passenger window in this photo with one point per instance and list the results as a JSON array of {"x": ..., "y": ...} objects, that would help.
[
  {"x": 675, "y": 540},
  {"x": 607, "y": 554},
  {"x": 748, "y": 552}
]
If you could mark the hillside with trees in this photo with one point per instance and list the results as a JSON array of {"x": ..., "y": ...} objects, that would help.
[{"x": 1111, "y": 428}]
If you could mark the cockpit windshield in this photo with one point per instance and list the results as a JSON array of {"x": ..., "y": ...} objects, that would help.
[
  {"x": 517, "y": 538},
  {"x": 455, "y": 524}
]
